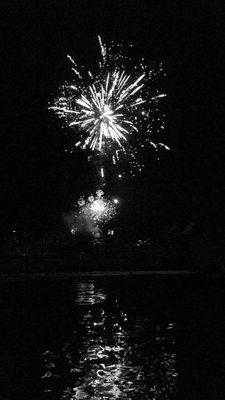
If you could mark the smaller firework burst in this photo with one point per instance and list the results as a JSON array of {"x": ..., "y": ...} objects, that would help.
[{"x": 93, "y": 213}]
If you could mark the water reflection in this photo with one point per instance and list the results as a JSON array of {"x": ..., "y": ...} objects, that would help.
[
  {"x": 114, "y": 353},
  {"x": 87, "y": 294}
]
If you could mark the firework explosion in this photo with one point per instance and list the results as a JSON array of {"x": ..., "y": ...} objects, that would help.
[
  {"x": 93, "y": 213},
  {"x": 114, "y": 111}
]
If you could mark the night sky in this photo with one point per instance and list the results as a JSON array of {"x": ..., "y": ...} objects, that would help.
[{"x": 40, "y": 181}]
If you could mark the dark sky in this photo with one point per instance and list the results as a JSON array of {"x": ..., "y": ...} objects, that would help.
[{"x": 38, "y": 180}]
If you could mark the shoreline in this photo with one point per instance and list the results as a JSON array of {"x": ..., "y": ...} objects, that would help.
[{"x": 23, "y": 276}]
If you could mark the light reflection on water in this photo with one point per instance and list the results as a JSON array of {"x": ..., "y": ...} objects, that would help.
[
  {"x": 87, "y": 294},
  {"x": 114, "y": 354}
]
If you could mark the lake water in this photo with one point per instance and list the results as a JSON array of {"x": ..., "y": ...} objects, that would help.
[{"x": 141, "y": 337}]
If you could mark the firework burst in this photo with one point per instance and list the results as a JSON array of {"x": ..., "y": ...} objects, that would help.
[
  {"x": 93, "y": 213},
  {"x": 114, "y": 111}
]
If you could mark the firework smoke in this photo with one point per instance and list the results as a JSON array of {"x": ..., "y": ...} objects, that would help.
[{"x": 91, "y": 214}]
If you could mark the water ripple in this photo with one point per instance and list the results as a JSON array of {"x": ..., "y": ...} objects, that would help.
[{"x": 121, "y": 354}]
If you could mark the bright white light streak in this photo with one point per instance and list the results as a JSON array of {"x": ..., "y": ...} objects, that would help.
[{"x": 159, "y": 96}]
